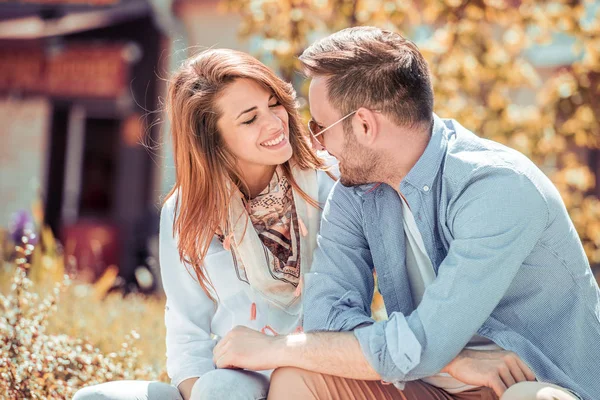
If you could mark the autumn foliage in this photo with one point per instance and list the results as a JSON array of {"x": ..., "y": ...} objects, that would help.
[{"x": 487, "y": 61}]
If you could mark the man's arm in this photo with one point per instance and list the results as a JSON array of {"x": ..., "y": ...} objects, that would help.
[
  {"x": 495, "y": 224},
  {"x": 339, "y": 289},
  {"x": 333, "y": 353},
  {"x": 339, "y": 354},
  {"x": 344, "y": 356}
]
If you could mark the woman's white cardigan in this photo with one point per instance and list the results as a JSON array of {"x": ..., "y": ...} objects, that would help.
[{"x": 194, "y": 322}]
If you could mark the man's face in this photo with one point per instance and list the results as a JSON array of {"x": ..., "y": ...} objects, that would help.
[{"x": 356, "y": 162}]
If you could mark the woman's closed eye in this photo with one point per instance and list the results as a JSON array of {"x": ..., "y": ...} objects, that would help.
[{"x": 250, "y": 121}]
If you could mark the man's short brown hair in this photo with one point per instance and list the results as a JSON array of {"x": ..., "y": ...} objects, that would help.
[{"x": 373, "y": 68}]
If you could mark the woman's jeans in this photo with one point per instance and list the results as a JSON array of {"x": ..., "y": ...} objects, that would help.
[{"x": 216, "y": 384}]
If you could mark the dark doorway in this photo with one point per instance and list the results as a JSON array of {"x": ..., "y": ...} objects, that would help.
[{"x": 98, "y": 176}]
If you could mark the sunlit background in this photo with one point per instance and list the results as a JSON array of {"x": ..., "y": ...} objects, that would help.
[{"x": 85, "y": 158}]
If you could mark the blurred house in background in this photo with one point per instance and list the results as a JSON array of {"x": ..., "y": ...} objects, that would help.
[{"x": 77, "y": 82}]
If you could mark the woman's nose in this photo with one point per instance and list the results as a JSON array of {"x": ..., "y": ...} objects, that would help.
[{"x": 274, "y": 124}]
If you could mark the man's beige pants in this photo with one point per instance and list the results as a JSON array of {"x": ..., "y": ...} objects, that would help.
[{"x": 294, "y": 383}]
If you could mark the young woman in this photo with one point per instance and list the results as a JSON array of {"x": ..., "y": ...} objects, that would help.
[{"x": 239, "y": 227}]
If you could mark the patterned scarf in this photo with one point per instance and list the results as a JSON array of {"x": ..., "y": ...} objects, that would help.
[
  {"x": 273, "y": 256},
  {"x": 272, "y": 213}
]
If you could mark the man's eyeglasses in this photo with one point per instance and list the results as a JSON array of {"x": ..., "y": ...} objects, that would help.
[{"x": 317, "y": 130}]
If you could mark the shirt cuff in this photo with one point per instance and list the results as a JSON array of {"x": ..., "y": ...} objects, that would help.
[
  {"x": 346, "y": 314},
  {"x": 390, "y": 347}
]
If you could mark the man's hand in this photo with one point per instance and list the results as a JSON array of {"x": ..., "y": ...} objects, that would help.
[
  {"x": 496, "y": 369},
  {"x": 245, "y": 348}
]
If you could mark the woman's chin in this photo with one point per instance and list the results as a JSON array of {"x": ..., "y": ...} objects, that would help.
[{"x": 279, "y": 156}]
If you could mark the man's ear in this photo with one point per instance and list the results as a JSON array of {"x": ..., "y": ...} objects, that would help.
[{"x": 366, "y": 126}]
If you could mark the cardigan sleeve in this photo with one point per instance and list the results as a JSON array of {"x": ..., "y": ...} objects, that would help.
[{"x": 188, "y": 311}]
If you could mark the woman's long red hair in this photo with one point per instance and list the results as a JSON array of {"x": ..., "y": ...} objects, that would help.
[{"x": 206, "y": 175}]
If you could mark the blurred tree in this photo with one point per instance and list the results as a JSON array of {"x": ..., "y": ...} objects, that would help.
[{"x": 480, "y": 53}]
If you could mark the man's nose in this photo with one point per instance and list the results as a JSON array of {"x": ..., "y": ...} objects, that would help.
[{"x": 316, "y": 144}]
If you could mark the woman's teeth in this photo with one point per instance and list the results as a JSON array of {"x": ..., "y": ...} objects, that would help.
[{"x": 273, "y": 142}]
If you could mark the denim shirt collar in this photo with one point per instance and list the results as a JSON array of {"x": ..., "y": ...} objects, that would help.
[{"x": 424, "y": 172}]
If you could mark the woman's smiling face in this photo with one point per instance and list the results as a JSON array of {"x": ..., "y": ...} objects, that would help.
[{"x": 253, "y": 125}]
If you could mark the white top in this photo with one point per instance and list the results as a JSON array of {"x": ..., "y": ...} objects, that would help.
[
  {"x": 194, "y": 323},
  {"x": 421, "y": 274}
]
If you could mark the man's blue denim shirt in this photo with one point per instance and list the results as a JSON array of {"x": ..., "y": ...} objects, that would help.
[{"x": 509, "y": 263}]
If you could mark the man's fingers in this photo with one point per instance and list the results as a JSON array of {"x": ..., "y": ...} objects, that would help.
[
  {"x": 219, "y": 351},
  {"x": 526, "y": 370},
  {"x": 506, "y": 375},
  {"x": 220, "y": 344},
  {"x": 517, "y": 373},
  {"x": 515, "y": 368},
  {"x": 225, "y": 339},
  {"x": 498, "y": 386},
  {"x": 223, "y": 361}
]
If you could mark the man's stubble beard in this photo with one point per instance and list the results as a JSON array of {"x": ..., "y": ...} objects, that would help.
[{"x": 359, "y": 165}]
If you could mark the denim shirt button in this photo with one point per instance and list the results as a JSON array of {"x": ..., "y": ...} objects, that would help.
[{"x": 426, "y": 188}]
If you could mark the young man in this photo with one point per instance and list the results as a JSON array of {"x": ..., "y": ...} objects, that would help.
[{"x": 473, "y": 247}]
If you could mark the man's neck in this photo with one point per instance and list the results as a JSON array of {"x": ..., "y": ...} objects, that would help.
[{"x": 403, "y": 154}]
